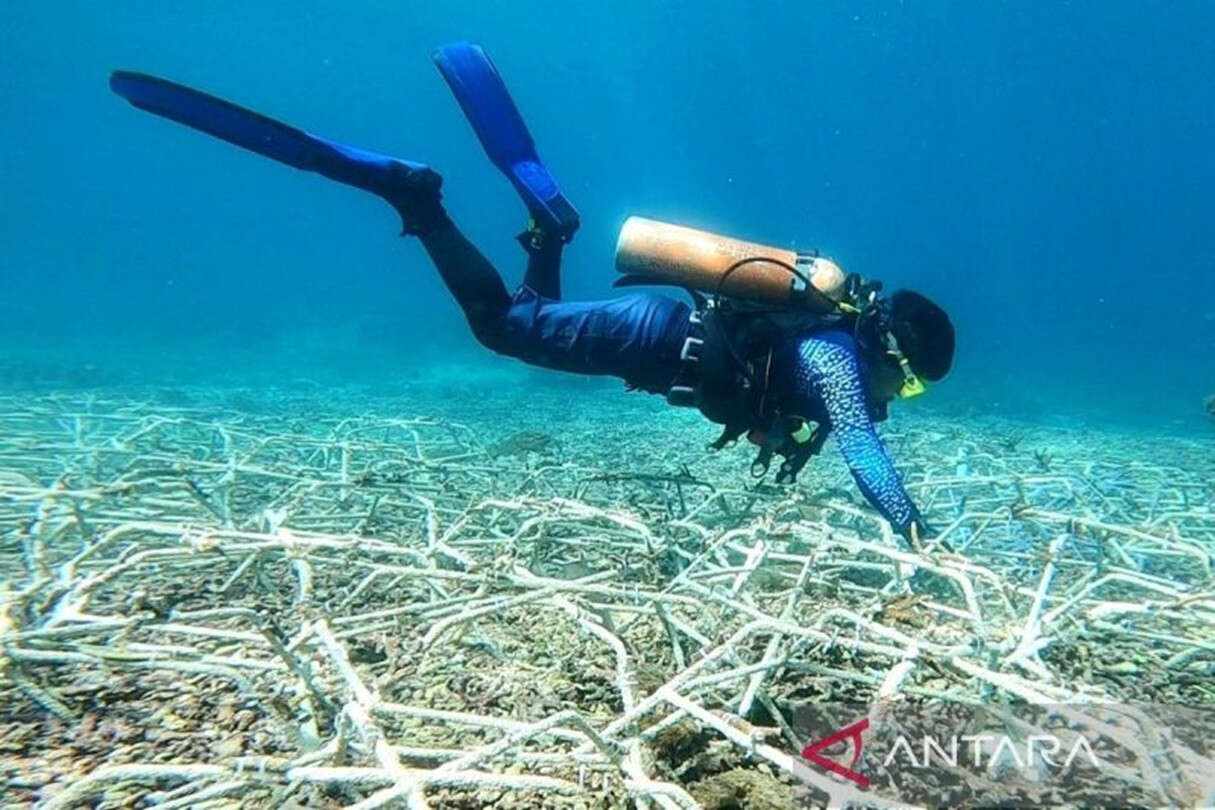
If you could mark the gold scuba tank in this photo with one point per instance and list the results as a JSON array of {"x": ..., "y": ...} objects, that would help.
[{"x": 652, "y": 252}]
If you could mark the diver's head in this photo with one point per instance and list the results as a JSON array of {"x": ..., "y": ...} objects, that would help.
[
  {"x": 924, "y": 334},
  {"x": 919, "y": 344}
]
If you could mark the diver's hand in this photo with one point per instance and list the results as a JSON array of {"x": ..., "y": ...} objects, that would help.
[{"x": 918, "y": 533}]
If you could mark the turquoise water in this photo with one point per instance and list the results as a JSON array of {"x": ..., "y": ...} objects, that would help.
[
  {"x": 1041, "y": 169},
  {"x": 276, "y": 532}
]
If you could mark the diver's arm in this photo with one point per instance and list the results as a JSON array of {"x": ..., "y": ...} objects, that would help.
[{"x": 830, "y": 372}]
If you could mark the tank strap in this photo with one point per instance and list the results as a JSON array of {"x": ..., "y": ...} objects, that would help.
[
  {"x": 715, "y": 380},
  {"x": 684, "y": 390},
  {"x": 805, "y": 267}
]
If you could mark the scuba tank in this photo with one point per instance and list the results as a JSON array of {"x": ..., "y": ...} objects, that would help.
[{"x": 652, "y": 252}]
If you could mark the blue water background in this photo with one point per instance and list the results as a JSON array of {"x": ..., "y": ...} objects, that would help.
[{"x": 1043, "y": 169}]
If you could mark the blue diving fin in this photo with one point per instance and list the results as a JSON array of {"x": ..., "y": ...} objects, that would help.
[
  {"x": 401, "y": 182},
  {"x": 487, "y": 104}
]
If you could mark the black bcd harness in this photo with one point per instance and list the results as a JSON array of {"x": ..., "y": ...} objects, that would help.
[{"x": 726, "y": 366}]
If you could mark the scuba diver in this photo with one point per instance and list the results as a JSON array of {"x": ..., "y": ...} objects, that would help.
[{"x": 778, "y": 346}]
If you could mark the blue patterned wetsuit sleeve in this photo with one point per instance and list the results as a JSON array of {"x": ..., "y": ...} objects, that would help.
[{"x": 828, "y": 370}]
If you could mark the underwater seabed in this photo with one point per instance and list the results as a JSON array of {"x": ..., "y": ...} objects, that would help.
[{"x": 469, "y": 594}]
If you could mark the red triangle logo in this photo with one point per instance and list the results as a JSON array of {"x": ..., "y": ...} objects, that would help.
[{"x": 852, "y": 732}]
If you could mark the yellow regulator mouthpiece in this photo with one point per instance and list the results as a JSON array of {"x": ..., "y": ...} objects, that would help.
[{"x": 913, "y": 386}]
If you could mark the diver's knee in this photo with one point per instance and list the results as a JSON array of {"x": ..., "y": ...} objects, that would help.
[
  {"x": 491, "y": 337},
  {"x": 489, "y": 328}
]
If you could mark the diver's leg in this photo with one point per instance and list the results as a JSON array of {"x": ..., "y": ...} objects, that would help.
[
  {"x": 471, "y": 279},
  {"x": 543, "y": 273},
  {"x": 635, "y": 337}
]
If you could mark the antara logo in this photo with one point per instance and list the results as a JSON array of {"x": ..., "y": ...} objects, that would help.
[{"x": 1042, "y": 748}]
